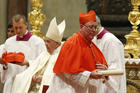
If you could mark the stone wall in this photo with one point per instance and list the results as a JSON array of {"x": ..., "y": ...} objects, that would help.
[
  {"x": 3, "y": 20},
  {"x": 8, "y": 8},
  {"x": 63, "y": 9}
]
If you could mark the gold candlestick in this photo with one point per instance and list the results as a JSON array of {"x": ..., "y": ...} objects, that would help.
[
  {"x": 36, "y": 18},
  {"x": 131, "y": 46},
  {"x": 134, "y": 16}
]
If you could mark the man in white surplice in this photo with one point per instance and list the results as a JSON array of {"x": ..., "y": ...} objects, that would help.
[
  {"x": 113, "y": 51},
  {"x": 39, "y": 74},
  {"x": 10, "y": 33},
  {"x": 24, "y": 42}
]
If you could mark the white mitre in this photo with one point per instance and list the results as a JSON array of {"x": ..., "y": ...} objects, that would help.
[{"x": 55, "y": 32}]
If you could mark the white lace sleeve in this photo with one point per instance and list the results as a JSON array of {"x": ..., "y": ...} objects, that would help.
[{"x": 80, "y": 78}]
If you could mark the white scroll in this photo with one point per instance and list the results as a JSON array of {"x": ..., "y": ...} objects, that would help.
[{"x": 111, "y": 72}]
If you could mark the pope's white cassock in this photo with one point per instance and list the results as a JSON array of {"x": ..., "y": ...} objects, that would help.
[
  {"x": 32, "y": 47},
  {"x": 113, "y": 51},
  {"x": 43, "y": 65}
]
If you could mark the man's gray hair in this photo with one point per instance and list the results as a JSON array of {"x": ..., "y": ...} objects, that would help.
[
  {"x": 17, "y": 18},
  {"x": 98, "y": 20}
]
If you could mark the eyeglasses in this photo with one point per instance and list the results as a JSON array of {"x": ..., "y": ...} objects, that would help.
[{"x": 91, "y": 27}]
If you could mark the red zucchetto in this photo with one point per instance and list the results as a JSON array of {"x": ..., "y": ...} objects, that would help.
[{"x": 84, "y": 18}]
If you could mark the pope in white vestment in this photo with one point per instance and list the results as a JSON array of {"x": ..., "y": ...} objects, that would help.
[
  {"x": 113, "y": 50},
  {"x": 43, "y": 65},
  {"x": 31, "y": 45}
]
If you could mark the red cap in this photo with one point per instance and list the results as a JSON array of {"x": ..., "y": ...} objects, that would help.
[
  {"x": 12, "y": 57},
  {"x": 90, "y": 16}
]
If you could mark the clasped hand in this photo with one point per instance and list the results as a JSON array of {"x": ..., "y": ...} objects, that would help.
[
  {"x": 37, "y": 79},
  {"x": 95, "y": 75}
]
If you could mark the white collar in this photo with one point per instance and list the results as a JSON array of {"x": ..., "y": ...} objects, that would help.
[{"x": 26, "y": 32}]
